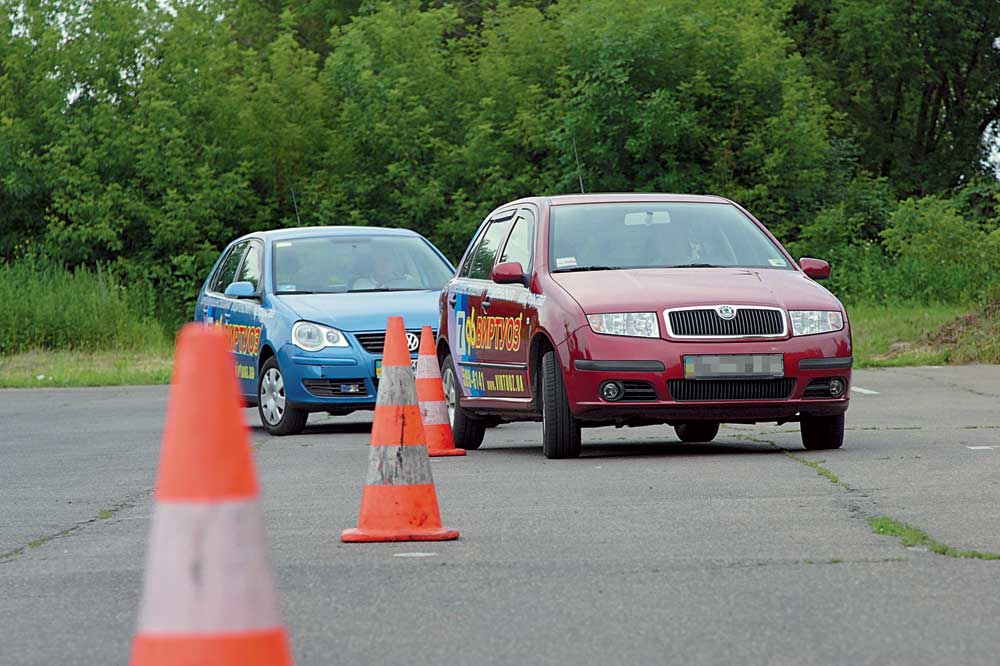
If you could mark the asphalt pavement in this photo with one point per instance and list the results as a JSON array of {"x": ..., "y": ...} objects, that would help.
[{"x": 644, "y": 550}]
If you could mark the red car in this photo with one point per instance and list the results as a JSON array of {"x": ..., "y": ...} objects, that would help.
[{"x": 639, "y": 309}]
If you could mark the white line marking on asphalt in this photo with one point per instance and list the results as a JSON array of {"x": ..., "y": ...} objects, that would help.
[
  {"x": 414, "y": 554},
  {"x": 858, "y": 389},
  {"x": 980, "y": 448}
]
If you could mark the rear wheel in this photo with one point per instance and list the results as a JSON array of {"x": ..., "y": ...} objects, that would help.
[
  {"x": 467, "y": 430},
  {"x": 822, "y": 432},
  {"x": 278, "y": 417},
  {"x": 697, "y": 431},
  {"x": 560, "y": 429}
]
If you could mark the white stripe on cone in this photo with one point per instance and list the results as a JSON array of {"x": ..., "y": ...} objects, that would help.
[
  {"x": 434, "y": 413},
  {"x": 427, "y": 368},
  {"x": 208, "y": 570}
]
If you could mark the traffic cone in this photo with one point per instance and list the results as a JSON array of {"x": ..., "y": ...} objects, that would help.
[
  {"x": 208, "y": 597},
  {"x": 430, "y": 395},
  {"x": 399, "y": 502}
]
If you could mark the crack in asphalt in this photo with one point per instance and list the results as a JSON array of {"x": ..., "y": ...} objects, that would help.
[
  {"x": 105, "y": 514},
  {"x": 853, "y": 507},
  {"x": 953, "y": 385}
]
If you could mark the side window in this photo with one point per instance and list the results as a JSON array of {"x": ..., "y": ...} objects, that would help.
[
  {"x": 522, "y": 238},
  {"x": 227, "y": 269},
  {"x": 485, "y": 254},
  {"x": 252, "y": 264}
]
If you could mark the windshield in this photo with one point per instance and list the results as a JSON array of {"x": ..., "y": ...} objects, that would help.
[
  {"x": 338, "y": 264},
  {"x": 608, "y": 236}
]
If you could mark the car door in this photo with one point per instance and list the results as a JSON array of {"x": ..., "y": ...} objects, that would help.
[
  {"x": 508, "y": 311},
  {"x": 214, "y": 306},
  {"x": 244, "y": 324},
  {"x": 466, "y": 305}
]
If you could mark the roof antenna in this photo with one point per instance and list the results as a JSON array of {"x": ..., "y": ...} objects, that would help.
[
  {"x": 579, "y": 171},
  {"x": 296, "y": 204}
]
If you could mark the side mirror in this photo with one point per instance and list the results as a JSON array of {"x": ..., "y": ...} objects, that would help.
[
  {"x": 511, "y": 272},
  {"x": 241, "y": 290},
  {"x": 817, "y": 269}
]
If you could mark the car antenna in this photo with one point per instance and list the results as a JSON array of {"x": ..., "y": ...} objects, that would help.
[
  {"x": 296, "y": 204},
  {"x": 579, "y": 171}
]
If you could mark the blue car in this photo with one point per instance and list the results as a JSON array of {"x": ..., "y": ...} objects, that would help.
[{"x": 305, "y": 311}]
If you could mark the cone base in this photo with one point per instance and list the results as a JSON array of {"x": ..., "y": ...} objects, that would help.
[
  {"x": 355, "y": 535},
  {"x": 437, "y": 453}
]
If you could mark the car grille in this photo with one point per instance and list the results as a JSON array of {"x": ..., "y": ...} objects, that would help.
[
  {"x": 331, "y": 388},
  {"x": 375, "y": 342},
  {"x": 637, "y": 390},
  {"x": 706, "y": 323},
  {"x": 739, "y": 389}
]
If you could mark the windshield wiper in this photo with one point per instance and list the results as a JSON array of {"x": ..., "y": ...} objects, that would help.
[
  {"x": 368, "y": 291},
  {"x": 693, "y": 266},
  {"x": 580, "y": 269}
]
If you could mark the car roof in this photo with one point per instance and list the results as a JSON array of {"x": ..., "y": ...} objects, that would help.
[
  {"x": 312, "y": 232},
  {"x": 622, "y": 197}
]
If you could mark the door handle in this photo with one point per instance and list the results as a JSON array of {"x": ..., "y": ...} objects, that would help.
[
  {"x": 452, "y": 299},
  {"x": 486, "y": 304}
]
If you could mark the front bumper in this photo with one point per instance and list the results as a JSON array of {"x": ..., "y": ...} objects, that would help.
[{"x": 589, "y": 360}]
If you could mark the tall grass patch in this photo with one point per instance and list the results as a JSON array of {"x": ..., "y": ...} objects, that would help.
[{"x": 46, "y": 306}]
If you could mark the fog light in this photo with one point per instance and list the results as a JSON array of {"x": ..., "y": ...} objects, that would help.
[
  {"x": 836, "y": 386},
  {"x": 612, "y": 391}
]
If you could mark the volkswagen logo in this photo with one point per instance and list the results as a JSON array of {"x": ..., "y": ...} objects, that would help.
[
  {"x": 412, "y": 341},
  {"x": 726, "y": 311}
]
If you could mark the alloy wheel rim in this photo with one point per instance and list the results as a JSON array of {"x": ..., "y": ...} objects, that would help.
[
  {"x": 450, "y": 396},
  {"x": 272, "y": 396}
]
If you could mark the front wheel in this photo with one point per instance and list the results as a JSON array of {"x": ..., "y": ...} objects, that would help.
[
  {"x": 560, "y": 429},
  {"x": 467, "y": 431},
  {"x": 822, "y": 432},
  {"x": 278, "y": 417}
]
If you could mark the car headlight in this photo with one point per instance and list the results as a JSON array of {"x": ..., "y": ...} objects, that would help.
[
  {"x": 811, "y": 322},
  {"x": 313, "y": 337},
  {"x": 636, "y": 324}
]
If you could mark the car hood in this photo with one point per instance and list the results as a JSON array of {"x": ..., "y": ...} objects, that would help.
[
  {"x": 654, "y": 289},
  {"x": 366, "y": 311}
]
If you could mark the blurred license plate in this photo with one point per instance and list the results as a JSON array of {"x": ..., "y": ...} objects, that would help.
[
  {"x": 378, "y": 366},
  {"x": 726, "y": 366}
]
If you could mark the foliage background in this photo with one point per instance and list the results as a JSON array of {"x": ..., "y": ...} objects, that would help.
[{"x": 141, "y": 136}]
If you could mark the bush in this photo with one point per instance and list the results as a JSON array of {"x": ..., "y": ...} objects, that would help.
[{"x": 48, "y": 307}]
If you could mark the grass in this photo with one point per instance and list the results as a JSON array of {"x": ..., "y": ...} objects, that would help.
[
  {"x": 890, "y": 335},
  {"x": 49, "y": 307},
  {"x": 42, "y": 369},
  {"x": 817, "y": 466},
  {"x": 913, "y": 537}
]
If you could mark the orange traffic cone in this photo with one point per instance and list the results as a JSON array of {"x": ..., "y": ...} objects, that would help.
[
  {"x": 430, "y": 395},
  {"x": 399, "y": 502},
  {"x": 209, "y": 597}
]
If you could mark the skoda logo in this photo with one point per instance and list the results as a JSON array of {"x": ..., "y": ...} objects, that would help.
[
  {"x": 726, "y": 311},
  {"x": 412, "y": 341}
]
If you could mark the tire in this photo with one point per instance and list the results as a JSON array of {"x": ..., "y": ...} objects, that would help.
[
  {"x": 278, "y": 418},
  {"x": 697, "y": 431},
  {"x": 822, "y": 432},
  {"x": 560, "y": 430},
  {"x": 467, "y": 430}
]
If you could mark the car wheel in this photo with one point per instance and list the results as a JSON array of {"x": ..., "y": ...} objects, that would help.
[
  {"x": 277, "y": 416},
  {"x": 467, "y": 430},
  {"x": 697, "y": 431},
  {"x": 560, "y": 430},
  {"x": 822, "y": 432}
]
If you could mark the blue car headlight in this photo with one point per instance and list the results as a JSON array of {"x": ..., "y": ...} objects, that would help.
[{"x": 313, "y": 337}]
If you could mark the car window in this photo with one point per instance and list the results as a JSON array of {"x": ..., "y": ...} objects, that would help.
[
  {"x": 226, "y": 273},
  {"x": 252, "y": 264},
  {"x": 658, "y": 235},
  {"x": 519, "y": 243},
  {"x": 341, "y": 263},
  {"x": 484, "y": 256}
]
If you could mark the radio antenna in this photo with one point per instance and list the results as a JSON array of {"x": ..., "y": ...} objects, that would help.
[
  {"x": 296, "y": 204},
  {"x": 579, "y": 170}
]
